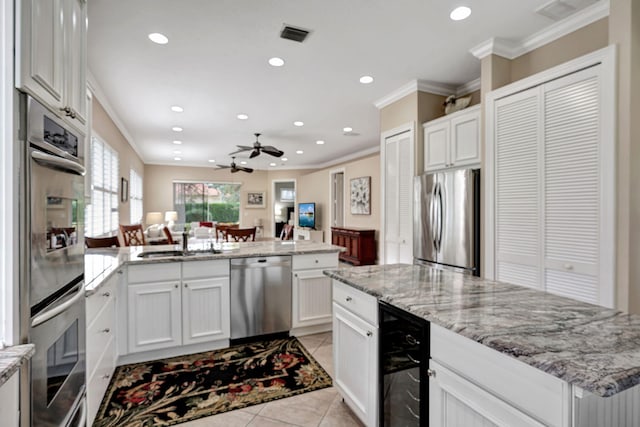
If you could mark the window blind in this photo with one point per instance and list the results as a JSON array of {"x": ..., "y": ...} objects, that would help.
[
  {"x": 135, "y": 197},
  {"x": 102, "y": 213}
]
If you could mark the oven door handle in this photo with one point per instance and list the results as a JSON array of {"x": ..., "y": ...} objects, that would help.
[
  {"x": 50, "y": 314},
  {"x": 58, "y": 162}
]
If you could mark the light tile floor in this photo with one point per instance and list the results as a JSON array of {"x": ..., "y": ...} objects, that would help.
[{"x": 321, "y": 408}]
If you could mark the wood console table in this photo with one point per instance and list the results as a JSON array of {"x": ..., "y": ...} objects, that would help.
[{"x": 360, "y": 244}]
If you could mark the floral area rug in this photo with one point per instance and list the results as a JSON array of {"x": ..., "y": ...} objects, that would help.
[{"x": 172, "y": 391}]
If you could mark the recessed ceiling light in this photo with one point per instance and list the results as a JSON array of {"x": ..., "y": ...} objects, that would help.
[
  {"x": 242, "y": 116},
  {"x": 298, "y": 123},
  {"x": 319, "y": 142},
  {"x": 177, "y": 158},
  {"x": 460, "y": 13},
  {"x": 272, "y": 164},
  {"x": 158, "y": 38},
  {"x": 177, "y": 152},
  {"x": 177, "y": 142},
  {"x": 243, "y": 162},
  {"x": 212, "y": 161},
  {"x": 347, "y": 129},
  {"x": 176, "y": 129},
  {"x": 284, "y": 159},
  {"x": 276, "y": 62},
  {"x": 299, "y": 152},
  {"x": 365, "y": 80},
  {"x": 177, "y": 109}
]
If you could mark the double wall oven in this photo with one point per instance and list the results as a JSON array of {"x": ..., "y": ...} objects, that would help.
[{"x": 52, "y": 230}]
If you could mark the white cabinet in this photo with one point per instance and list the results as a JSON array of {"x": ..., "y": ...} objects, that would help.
[
  {"x": 305, "y": 234},
  {"x": 398, "y": 198},
  {"x": 311, "y": 291},
  {"x": 51, "y": 45},
  {"x": 453, "y": 140},
  {"x": 355, "y": 351},
  {"x": 9, "y": 406},
  {"x": 174, "y": 304},
  {"x": 101, "y": 342},
  {"x": 154, "y": 316}
]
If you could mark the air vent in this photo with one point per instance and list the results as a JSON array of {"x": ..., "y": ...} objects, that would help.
[
  {"x": 293, "y": 33},
  {"x": 560, "y": 9}
]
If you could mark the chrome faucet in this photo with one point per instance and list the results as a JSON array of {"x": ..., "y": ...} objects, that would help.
[{"x": 185, "y": 241}]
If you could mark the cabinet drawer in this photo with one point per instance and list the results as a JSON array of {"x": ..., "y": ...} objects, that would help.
[
  {"x": 98, "y": 383},
  {"x": 203, "y": 269},
  {"x": 326, "y": 260},
  {"x": 105, "y": 294},
  {"x": 525, "y": 387},
  {"x": 158, "y": 272},
  {"x": 99, "y": 333},
  {"x": 357, "y": 302}
]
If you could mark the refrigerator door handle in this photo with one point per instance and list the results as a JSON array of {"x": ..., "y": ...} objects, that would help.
[
  {"x": 432, "y": 216},
  {"x": 440, "y": 216}
]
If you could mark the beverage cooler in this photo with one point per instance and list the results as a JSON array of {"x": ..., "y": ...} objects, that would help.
[{"x": 404, "y": 362}]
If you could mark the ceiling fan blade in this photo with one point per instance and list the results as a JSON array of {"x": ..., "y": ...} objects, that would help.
[
  {"x": 243, "y": 169},
  {"x": 242, "y": 148},
  {"x": 255, "y": 153},
  {"x": 273, "y": 151},
  {"x": 224, "y": 166}
]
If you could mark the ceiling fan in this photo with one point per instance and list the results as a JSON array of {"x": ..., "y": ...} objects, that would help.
[
  {"x": 235, "y": 168},
  {"x": 258, "y": 148}
]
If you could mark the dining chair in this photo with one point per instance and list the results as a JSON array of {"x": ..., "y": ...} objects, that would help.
[
  {"x": 132, "y": 235},
  {"x": 241, "y": 234},
  {"x": 221, "y": 230},
  {"x": 287, "y": 232},
  {"x": 101, "y": 242},
  {"x": 168, "y": 235}
]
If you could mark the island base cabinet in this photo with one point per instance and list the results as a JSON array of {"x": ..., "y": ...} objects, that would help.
[
  {"x": 311, "y": 295},
  {"x": 456, "y": 402},
  {"x": 9, "y": 393},
  {"x": 355, "y": 355},
  {"x": 154, "y": 316},
  {"x": 205, "y": 310}
]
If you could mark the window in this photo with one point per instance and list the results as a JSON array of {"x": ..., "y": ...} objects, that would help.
[
  {"x": 102, "y": 213},
  {"x": 206, "y": 201},
  {"x": 135, "y": 197}
]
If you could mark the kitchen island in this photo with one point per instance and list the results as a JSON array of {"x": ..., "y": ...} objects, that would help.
[
  {"x": 164, "y": 304},
  {"x": 510, "y": 355}
]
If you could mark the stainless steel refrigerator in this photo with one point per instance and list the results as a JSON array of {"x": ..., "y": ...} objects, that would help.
[{"x": 447, "y": 220}]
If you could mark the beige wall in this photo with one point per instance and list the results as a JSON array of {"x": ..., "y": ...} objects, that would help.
[{"x": 128, "y": 159}]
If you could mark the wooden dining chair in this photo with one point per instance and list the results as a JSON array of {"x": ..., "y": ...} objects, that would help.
[
  {"x": 132, "y": 235},
  {"x": 241, "y": 234},
  {"x": 167, "y": 234},
  {"x": 221, "y": 230},
  {"x": 101, "y": 242},
  {"x": 287, "y": 232}
]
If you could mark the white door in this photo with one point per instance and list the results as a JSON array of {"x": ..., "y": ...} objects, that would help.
[
  {"x": 337, "y": 199},
  {"x": 76, "y": 60},
  {"x": 355, "y": 355},
  {"x": 465, "y": 138},
  {"x": 456, "y": 402},
  {"x": 572, "y": 191},
  {"x": 517, "y": 189},
  {"x": 205, "y": 310},
  {"x": 436, "y": 146},
  {"x": 398, "y": 203},
  {"x": 40, "y": 50},
  {"x": 154, "y": 316},
  {"x": 311, "y": 295}
]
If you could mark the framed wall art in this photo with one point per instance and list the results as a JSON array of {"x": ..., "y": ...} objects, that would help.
[
  {"x": 124, "y": 190},
  {"x": 256, "y": 199},
  {"x": 361, "y": 196}
]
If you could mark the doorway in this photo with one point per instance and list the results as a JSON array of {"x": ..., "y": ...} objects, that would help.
[
  {"x": 284, "y": 203},
  {"x": 337, "y": 197}
]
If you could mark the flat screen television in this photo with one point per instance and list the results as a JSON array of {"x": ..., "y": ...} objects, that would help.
[{"x": 307, "y": 215}]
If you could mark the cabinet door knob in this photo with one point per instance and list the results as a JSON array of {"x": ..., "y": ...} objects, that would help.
[
  {"x": 431, "y": 373},
  {"x": 186, "y": 285},
  {"x": 106, "y": 330},
  {"x": 369, "y": 333},
  {"x": 316, "y": 261},
  {"x": 106, "y": 294},
  {"x": 349, "y": 299},
  {"x": 175, "y": 286},
  {"x": 106, "y": 376},
  {"x": 295, "y": 275},
  {"x": 119, "y": 272}
]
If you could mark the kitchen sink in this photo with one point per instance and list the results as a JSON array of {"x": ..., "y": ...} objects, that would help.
[{"x": 177, "y": 253}]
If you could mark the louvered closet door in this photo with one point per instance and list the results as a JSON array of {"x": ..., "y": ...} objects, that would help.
[
  {"x": 571, "y": 189},
  {"x": 405, "y": 199},
  {"x": 391, "y": 216},
  {"x": 517, "y": 189}
]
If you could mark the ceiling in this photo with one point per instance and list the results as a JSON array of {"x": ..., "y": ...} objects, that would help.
[{"x": 215, "y": 67}]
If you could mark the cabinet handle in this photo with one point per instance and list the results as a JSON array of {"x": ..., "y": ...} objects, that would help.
[
  {"x": 316, "y": 261},
  {"x": 349, "y": 299},
  {"x": 106, "y": 376},
  {"x": 106, "y": 294},
  {"x": 295, "y": 275},
  {"x": 186, "y": 285},
  {"x": 66, "y": 110},
  {"x": 106, "y": 330},
  {"x": 175, "y": 286},
  {"x": 431, "y": 373},
  {"x": 369, "y": 333}
]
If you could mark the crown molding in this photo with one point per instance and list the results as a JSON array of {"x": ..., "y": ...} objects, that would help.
[
  {"x": 353, "y": 156},
  {"x": 468, "y": 87},
  {"x": 415, "y": 86},
  {"x": 97, "y": 91},
  {"x": 511, "y": 50}
]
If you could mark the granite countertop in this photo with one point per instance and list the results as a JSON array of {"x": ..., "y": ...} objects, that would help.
[
  {"x": 100, "y": 264},
  {"x": 12, "y": 357},
  {"x": 589, "y": 346}
]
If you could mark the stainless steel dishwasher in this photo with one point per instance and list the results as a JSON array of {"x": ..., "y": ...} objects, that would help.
[{"x": 260, "y": 296}]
